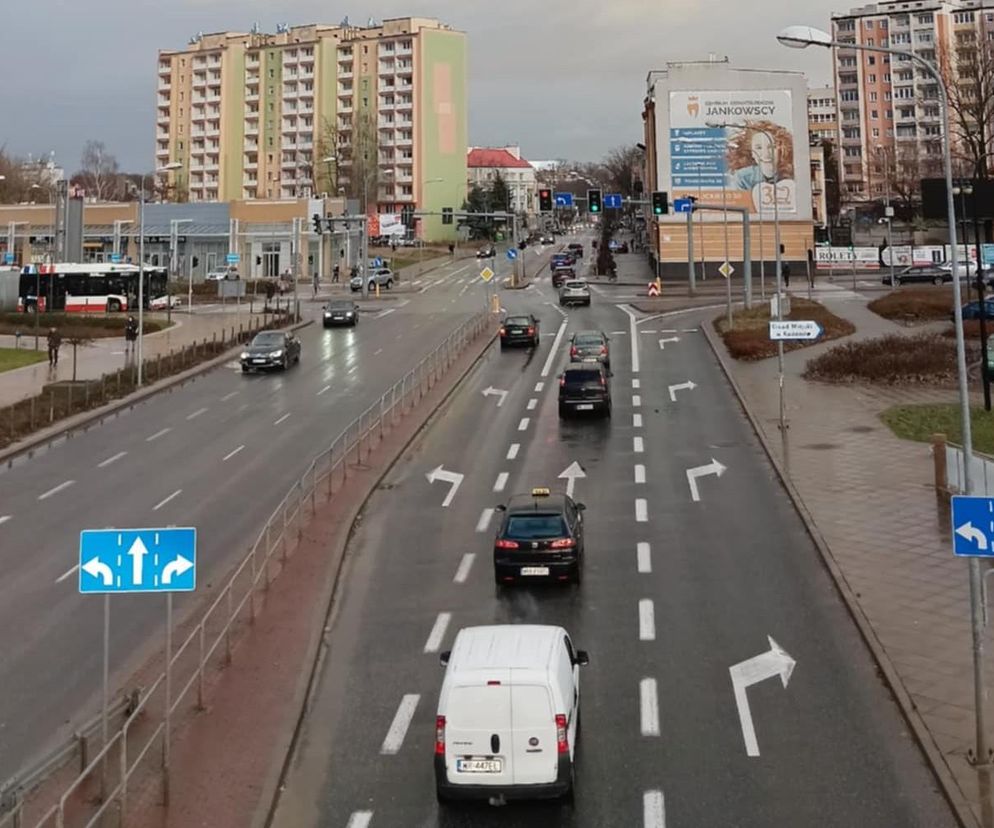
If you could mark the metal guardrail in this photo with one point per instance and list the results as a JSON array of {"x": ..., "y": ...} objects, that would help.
[{"x": 106, "y": 780}]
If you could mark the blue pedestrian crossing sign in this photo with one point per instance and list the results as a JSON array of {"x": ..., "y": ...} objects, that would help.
[
  {"x": 512, "y": 254},
  {"x": 137, "y": 560},
  {"x": 973, "y": 526}
]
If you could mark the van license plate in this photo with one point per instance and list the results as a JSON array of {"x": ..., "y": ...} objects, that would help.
[
  {"x": 585, "y": 407},
  {"x": 534, "y": 570},
  {"x": 479, "y": 765}
]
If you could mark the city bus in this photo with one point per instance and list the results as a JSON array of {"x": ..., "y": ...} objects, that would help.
[{"x": 87, "y": 288}]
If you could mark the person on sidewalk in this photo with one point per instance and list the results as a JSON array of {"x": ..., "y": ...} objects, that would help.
[
  {"x": 316, "y": 283},
  {"x": 785, "y": 272},
  {"x": 54, "y": 341},
  {"x": 336, "y": 272},
  {"x": 130, "y": 333}
]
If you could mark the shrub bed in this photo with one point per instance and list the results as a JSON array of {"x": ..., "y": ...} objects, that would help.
[
  {"x": 749, "y": 337},
  {"x": 925, "y": 358},
  {"x": 915, "y": 305},
  {"x": 72, "y": 324}
]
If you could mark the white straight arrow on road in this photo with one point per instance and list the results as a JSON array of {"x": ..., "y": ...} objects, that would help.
[
  {"x": 714, "y": 467},
  {"x": 491, "y": 391},
  {"x": 448, "y": 477},
  {"x": 571, "y": 473},
  {"x": 98, "y": 569},
  {"x": 138, "y": 551},
  {"x": 662, "y": 342},
  {"x": 773, "y": 662},
  {"x": 690, "y": 385}
]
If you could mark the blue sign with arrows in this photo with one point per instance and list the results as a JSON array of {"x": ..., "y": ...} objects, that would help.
[
  {"x": 512, "y": 254},
  {"x": 973, "y": 526},
  {"x": 137, "y": 560},
  {"x": 613, "y": 201},
  {"x": 683, "y": 205},
  {"x": 564, "y": 199}
]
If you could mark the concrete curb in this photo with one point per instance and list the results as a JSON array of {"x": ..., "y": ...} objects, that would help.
[
  {"x": 83, "y": 421},
  {"x": 271, "y": 788},
  {"x": 954, "y": 795}
]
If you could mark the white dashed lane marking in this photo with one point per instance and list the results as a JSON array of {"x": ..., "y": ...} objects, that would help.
[
  {"x": 501, "y": 482},
  {"x": 641, "y": 510},
  {"x": 512, "y": 452},
  {"x": 484, "y": 521},
  {"x": 462, "y": 573},
  {"x": 401, "y": 721},
  {"x": 112, "y": 459},
  {"x": 636, "y": 421},
  {"x": 532, "y": 403},
  {"x": 158, "y": 434},
  {"x": 647, "y": 620},
  {"x": 639, "y": 473},
  {"x": 232, "y": 453},
  {"x": 653, "y": 810},
  {"x": 56, "y": 490},
  {"x": 643, "y": 553},
  {"x": 438, "y": 632},
  {"x": 523, "y": 425},
  {"x": 638, "y": 445},
  {"x": 282, "y": 419},
  {"x": 196, "y": 413},
  {"x": 649, "y": 707},
  {"x": 361, "y": 819},
  {"x": 636, "y": 401},
  {"x": 636, "y": 384}
]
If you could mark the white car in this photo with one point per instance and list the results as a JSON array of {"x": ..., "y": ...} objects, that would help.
[
  {"x": 163, "y": 302},
  {"x": 963, "y": 269},
  {"x": 216, "y": 276}
]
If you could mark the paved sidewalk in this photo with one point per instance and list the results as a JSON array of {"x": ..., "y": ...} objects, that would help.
[{"x": 871, "y": 497}]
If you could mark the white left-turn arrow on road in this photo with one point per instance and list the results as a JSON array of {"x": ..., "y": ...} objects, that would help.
[
  {"x": 491, "y": 391},
  {"x": 775, "y": 661},
  {"x": 453, "y": 478},
  {"x": 571, "y": 473},
  {"x": 714, "y": 467}
]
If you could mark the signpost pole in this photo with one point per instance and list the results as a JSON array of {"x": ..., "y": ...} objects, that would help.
[
  {"x": 728, "y": 279},
  {"x": 762, "y": 256},
  {"x": 105, "y": 695},
  {"x": 169, "y": 699},
  {"x": 690, "y": 251},
  {"x": 747, "y": 258}
]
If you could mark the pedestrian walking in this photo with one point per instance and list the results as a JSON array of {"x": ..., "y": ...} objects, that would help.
[
  {"x": 317, "y": 282},
  {"x": 335, "y": 273},
  {"x": 130, "y": 333},
  {"x": 54, "y": 341},
  {"x": 785, "y": 272}
]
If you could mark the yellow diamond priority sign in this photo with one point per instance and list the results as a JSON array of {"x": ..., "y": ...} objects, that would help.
[
  {"x": 726, "y": 270},
  {"x": 486, "y": 274}
]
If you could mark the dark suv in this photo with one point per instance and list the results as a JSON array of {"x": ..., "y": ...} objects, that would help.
[{"x": 584, "y": 387}]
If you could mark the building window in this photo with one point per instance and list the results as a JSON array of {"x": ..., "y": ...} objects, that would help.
[
  {"x": 876, "y": 132},
  {"x": 874, "y": 114},
  {"x": 873, "y": 97},
  {"x": 871, "y": 78}
]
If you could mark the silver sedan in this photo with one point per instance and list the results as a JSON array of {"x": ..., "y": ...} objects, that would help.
[{"x": 574, "y": 292}]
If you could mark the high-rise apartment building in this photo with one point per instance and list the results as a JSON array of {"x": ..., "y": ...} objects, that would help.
[
  {"x": 889, "y": 114},
  {"x": 823, "y": 115},
  {"x": 377, "y": 113}
]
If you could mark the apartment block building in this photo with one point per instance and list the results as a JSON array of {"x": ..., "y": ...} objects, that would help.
[
  {"x": 889, "y": 114},
  {"x": 377, "y": 112},
  {"x": 823, "y": 114}
]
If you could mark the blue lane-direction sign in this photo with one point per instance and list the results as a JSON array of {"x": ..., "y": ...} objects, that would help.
[
  {"x": 564, "y": 199},
  {"x": 137, "y": 560},
  {"x": 8, "y": 258},
  {"x": 683, "y": 205},
  {"x": 612, "y": 201},
  {"x": 233, "y": 258},
  {"x": 377, "y": 262},
  {"x": 973, "y": 526},
  {"x": 512, "y": 254}
]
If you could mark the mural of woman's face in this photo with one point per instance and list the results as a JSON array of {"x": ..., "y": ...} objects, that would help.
[{"x": 762, "y": 152}]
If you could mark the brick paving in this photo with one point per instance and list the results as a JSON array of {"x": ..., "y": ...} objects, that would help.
[{"x": 871, "y": 497}]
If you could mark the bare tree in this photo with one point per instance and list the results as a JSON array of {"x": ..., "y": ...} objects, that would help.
[
  {"x": 358, "y": 159},
  {"x": 325, "y": 174},
  {"x": 13, "y": 183},
  {"x": 78, "y": 339},
  {"x": 622, "y": 168},
  {"x": 99, "y": 172},
  {"x": 967, "y": 68}
]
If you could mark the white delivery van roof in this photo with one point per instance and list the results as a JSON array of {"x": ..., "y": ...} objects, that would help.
[{"x": 504, "y": 647}]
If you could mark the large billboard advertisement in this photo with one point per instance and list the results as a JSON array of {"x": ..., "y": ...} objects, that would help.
[{"x": 741, "y": 165}]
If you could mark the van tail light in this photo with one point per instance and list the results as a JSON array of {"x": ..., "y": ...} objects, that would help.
[
  {"x": 562, "y": 736},
  {"x": 503, "y": 331},
  {"x": 440, "y": 735},
  {"x": 603, "y": 349},
  {"x": 506, "y": 544},
  {"x": 572, "y": 351},
  {"x": 603, "y": 381},
  {"x": 563, "y": 543},
  {"x": 531, "y": 331}
]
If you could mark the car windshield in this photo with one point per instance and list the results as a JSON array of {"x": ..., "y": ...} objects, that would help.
[
  {"x": 518, "y": 320},
  {"x": 580, "y": 377},
  {"x": 268, "y": 338},
  {"x": 535, "y": 526},
  {"x": 588, "y": 340},
  {"x": 340, "y": 306}
]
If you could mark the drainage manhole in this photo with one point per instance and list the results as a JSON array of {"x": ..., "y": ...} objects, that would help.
[{"x": 821, "y": 446}]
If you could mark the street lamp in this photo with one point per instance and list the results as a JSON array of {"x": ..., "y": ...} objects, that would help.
[
  {"x": 800, "y": 37},
  {"x": 175, "y": 165},
  {"x": 174, "y": 266},
  {"x": 888, "y": 212}
]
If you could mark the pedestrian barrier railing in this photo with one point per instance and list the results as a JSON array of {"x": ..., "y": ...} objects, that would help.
[
  {"x": 136, "y": 755},
  {"x": 950, "y": 469}
]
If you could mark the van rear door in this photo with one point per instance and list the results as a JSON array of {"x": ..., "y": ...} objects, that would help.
[
  {"x": 478, "y": 736},
  {"x": 535, "y": 754}
]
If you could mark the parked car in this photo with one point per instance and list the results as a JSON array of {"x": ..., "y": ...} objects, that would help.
[
  {"x": 574, "y": 292},
  {"x": 918, "y": 274},
  {"x": 271, "y": 349},
  {"x": 971, "y": 310},
  {"x": 216, "y": 276},
  {"x": 382, "y": 277},
  {"x": 341, "y": 312},
  {"x": 584, "y": 386},
  {"x": 964, "y": 269}
]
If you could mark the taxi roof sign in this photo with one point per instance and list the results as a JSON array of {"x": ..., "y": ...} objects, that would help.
[{"x": 541, "y": 491}]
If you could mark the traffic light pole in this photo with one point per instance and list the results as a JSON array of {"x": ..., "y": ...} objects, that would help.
[{"x": 329, "y": 224}]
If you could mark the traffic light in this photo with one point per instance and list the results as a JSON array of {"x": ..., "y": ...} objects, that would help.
[
  {"x": 196, "y": 261},
  {"x": 522, "y": 245},
  {"x": 316, "y": 218},
  {"x": 446, "y": 215},
  {"x": 545, "y": 200},
  {"x": 593, "y": 201},
  {"x": 660, "y": 203},
  {"x": 407, "y": 216}
]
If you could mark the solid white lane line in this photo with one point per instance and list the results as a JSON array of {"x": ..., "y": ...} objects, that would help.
[
  {"x": 112, "y": 459},
  {"x": 438, "y": 632},
  {"x": 644, "y": 553},
  {"x": 4, "y": 518},
  {"x": 634, "y": 336},
  {"x": 636, "y": 421},
  {"x": 554, "y": 350},
  {"x": 636, "y": 401},
  {"x": 484, "y": 521},
  {"x": 538, "y": 387},
  {"x": 523, "y": 425},
  {"x": 639, "y": 473},
  {"x": 282, "y": 419},
  {"x": 653, "y": 810},
  {"x": 649, "y": 707},
  {"x": 636, "y": 383},
  {"x": 532, "y": 403},
  {"x": 638, "y": 445},
  {"x": 641, "y": 510},
  {"x": 462, "y": 573},
  {"x": 361, "y": 819},
  {"x": 647, "y": 620},
  {"x": 163, "y": 502},
  {"x": 196, "y": 413},
  {"x": 56, "y": 490},
  {"x": 66, "y": 574},
  {"x": 227, "y": 397},
  {"x": 158, "y": 434},
  {"x": 501, "y": 482},
  {"x": 324, "y": 390},
  {"x": 512, "y": 452},
  {"x": 232, "y": 453},
  {"x": 401, "y": 721}
]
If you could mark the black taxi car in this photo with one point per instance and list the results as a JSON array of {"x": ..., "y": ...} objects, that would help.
[{"x": 540, "y": 537}]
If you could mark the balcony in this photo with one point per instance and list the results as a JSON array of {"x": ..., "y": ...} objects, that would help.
[
  {"x": 405, "y": 103},
  {"x": 252, "y": 94},
  {"x": 165, "y": 85},
  {"x": 386, "y": 67},
  {"x": 387, "y": 140},
  {"x": 345, "y": 70},
  {"x": 404, "y": 67},
  {"x": 405, "y": 122},
  {"x": 166, "y": 67},
  {"x": 405, "y": 142},
  {"x": 404, "y": 50}
]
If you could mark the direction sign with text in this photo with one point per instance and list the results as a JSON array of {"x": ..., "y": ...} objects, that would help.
[
  {"x": 137, "y": 560},
  {"x": 232, "y": 258},
  {"x": 794, "y": 329}
]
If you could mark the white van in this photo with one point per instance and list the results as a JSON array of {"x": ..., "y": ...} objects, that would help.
[{"x": 508, "y": 714}]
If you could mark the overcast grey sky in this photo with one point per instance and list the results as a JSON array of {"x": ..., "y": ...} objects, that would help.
[{"x": 564, "y": 78}]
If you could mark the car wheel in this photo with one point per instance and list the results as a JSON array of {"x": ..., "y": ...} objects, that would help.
[
  {"x": 113, "y": 306},
  {"x": 578, "y": 575},
  {"x": 285, "y": 364},
  {"x": 389, "y": 284},
  {"x": 938, "y": 280},
  {"x": 245, "y": 369},
  {"x": 441, "y": 796},
  {"x": 503, "y": 345}
]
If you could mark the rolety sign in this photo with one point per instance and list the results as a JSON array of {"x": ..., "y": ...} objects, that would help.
[{"x": 743, "y": 166}]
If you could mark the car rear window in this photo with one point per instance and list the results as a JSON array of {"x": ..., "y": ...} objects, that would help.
[
  {"x": 534, "y": 527},
  {"x": 579, "y": 377},
  {"x": 589, "y": 339},
  {"x": 576, "y": 285},
  {"x": 517, "y": 320}
]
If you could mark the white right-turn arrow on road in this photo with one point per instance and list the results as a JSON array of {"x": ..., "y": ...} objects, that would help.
[
  {"x": 714, "y": 467},
  {"x": 775, "y": 661}
]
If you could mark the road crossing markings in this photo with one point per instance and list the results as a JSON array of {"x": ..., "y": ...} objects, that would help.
[
  {"x": 361, "y": 819},
  {"x": 636, "y": 421},
  {"x": 158, "y": 434},
  {"x": 635, "y": 340},
  {"x": 512, "y": 452},
  {"x": 163, "y": 502},
  {"x": 523, "y": 425},
  {"x": 484, "y": 521},
  {"x": 112, "y": 459},
  {"x": 438, "y": 632},
  {"x": 231, "y": 454},
  {"x": 462, "y": 573},
  {"x": 638, "y": 445},
  {"x": 282, "y": 419},
  {"x": 401, "y": 721},
  {"x": 227, "y": 397},
  {"x": 196, "y": 413},
  {"x": 639, "y": 473},
  {"x": 653, "y": 810},
  {"x": 649, "y": 707},
  {"x": 532, "y": 403},
  {"x": 647, "y": 620},
  {"x": 501, "y": 482},
  {"x": 538, "y": 387},
  {"x": 324, "y": 390},
  {"x": 643, "y": 553},
  {"x": 641, "y": 510},
  {"x": 56, "y": 490},
  {"x": 554, "y": 351}
]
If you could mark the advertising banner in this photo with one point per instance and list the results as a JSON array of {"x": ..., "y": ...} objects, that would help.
[
  {"x": 745, "y": 166},
  {"x": 391, "y": 224}
]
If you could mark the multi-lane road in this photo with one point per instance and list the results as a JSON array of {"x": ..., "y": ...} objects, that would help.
[
  {"x": 689, "y": 574},
  {"x": 217, "y": 454}
]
